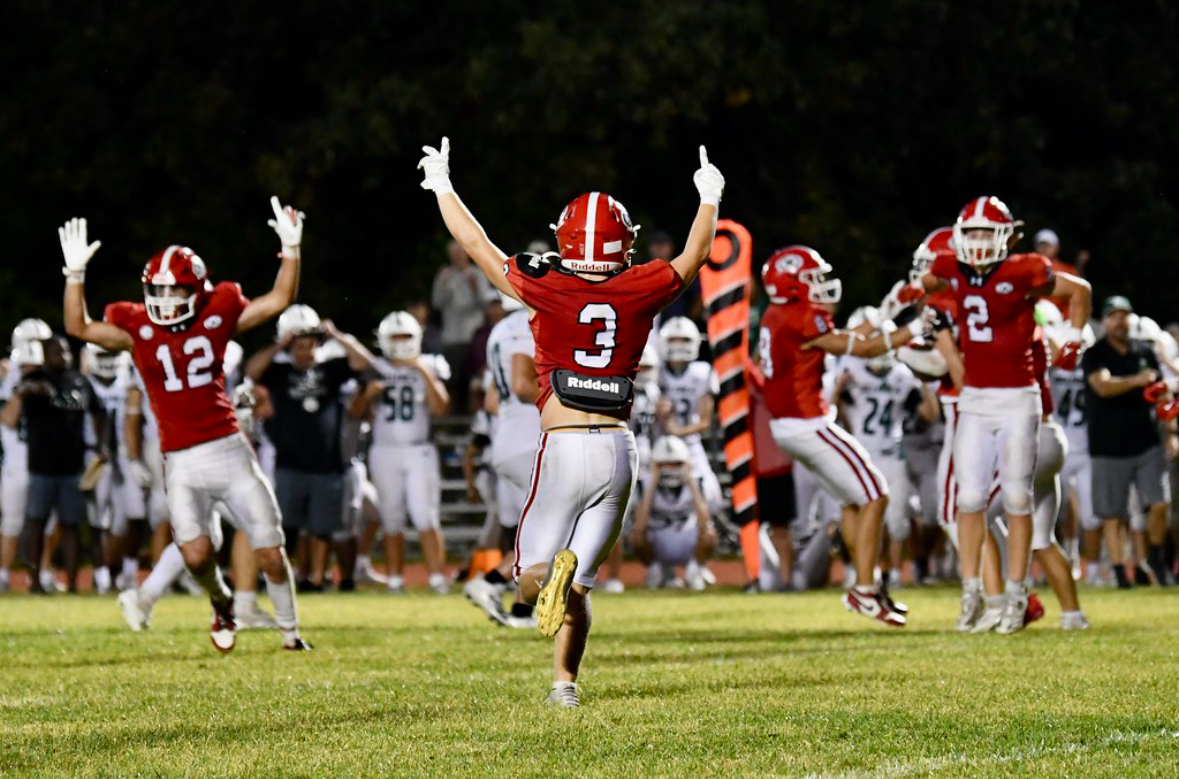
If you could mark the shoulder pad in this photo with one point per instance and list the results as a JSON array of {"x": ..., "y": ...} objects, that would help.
[{"x": 532, "y": 265}]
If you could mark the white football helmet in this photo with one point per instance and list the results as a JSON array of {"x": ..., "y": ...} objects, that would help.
[
  {"x": 27, "y": 342},
  {"x": 299, "y": 320},
  {"x": 672, "y": 455},
  {"x": 648, "y": 366},
  {"x": 1143, "y": 328},
  {"x": 104, "y": 364},
  {"x": 400, "y": 336},
  {"x": 679, "y": 340}
]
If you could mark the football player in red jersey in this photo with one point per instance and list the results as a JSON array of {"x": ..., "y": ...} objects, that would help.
[
  {"x": 797, "y": 332},
  {"x": 177, "y": 337},
  {"x": 591, "y": 312},
  {"x": 999, "y": 409}
]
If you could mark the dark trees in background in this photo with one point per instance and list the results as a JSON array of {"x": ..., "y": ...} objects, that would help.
[{"x": 853, "y": 129}]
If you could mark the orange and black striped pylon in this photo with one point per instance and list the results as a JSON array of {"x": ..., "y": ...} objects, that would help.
[{"x": 726, "y": 285}]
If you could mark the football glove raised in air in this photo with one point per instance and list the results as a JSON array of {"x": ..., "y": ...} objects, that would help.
[
  {"x": 74, "y": 248},
  {"x": 436, "y": 167},
  {"x": 709, "y": 181},
  {"x": 288, "y": 223}
]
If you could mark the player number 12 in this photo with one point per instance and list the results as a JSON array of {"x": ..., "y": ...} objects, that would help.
[{"x": 199, "y": 373}]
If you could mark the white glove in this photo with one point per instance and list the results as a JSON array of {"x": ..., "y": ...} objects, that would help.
[
  {"x": 73, "y": 246},
  {"x": 288, "y": 223},
  {"x": 141, "y": 475},
  {"x": 709, "y": 181},
  {"x": 436, "y": 165}
]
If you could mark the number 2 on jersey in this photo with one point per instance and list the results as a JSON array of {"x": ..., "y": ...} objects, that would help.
[
  {"x": 591, "y": 313},
  {"x": 199, "y": 373},
  {"x": 977, "y": 317}
]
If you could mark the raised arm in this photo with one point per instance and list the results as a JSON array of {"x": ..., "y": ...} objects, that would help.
[
  {"x": 462, "y": 225},
  {"x": 359, "y": 357},
  {"x": 78, "y": 323},
  {"x": 263, "y": 358},
  {"x": 710, "y": 184},
  {"x": 288, "y": 223}
]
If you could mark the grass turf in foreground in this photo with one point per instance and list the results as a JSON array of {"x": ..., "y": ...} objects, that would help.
[{"x": 718, "y": 684}]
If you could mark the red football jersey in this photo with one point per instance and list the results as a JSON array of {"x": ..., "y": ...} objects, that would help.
[
  {"x": 793, "y": 375},
  {"x": 596, "y": 328},
  {"x": 997, "y": 317},
  {"x": 182, "y": 370}
]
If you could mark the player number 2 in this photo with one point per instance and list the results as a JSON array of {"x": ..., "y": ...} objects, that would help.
[
  {"x": 977, "y": 317},
  {"x": 200, "y": 349},
  {"x": 591, "y": 313}
]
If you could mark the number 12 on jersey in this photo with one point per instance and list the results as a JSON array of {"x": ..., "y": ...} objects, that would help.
[{"x": 200, "y": 350}]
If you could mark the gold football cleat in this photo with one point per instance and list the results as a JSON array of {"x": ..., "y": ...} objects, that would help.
[{"x": 554, "y": 595}]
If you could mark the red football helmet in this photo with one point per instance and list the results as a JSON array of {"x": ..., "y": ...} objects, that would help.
[
  {"x": 799, "y": 272},
  {"x": 937, "y": 243},
  {"x": 175, "y": 283},
  {"x": 595, "y": 234},
  {"x": 989, "y": 214}
]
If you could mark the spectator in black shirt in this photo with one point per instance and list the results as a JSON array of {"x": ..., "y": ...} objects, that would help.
[
  {"x": 306, "y": 429},
  {"x": 53, "y": 401},
  {"x": 1124, "y": 444}
]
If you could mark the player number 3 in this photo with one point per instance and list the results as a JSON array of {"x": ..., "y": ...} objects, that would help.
[
  {"x": 200, "y": 349},
  {"x": 591, "y": 313}
]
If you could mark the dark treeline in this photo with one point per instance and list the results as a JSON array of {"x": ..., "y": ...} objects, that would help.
[{"x": 855, "y": 128}]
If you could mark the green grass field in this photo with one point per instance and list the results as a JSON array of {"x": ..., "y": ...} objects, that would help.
[{"x": 675, "y": 684}]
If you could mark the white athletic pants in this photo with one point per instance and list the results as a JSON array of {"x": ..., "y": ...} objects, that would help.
[{"x": 581, "y": 484}]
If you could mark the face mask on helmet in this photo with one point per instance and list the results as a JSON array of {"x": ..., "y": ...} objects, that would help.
[
  {"x": 679, "y": 340},
  {"x": 400, "y": 337},
  {"x": 104, "y": 364},
  {"x": 982, "y": 232},
  {"x": 939, "y": 241},
  {"x": 823, "y": 290},
  {"x": 672, "y": 475},
  {"x": 169, "y": 304},
  {"x": 173, "y": 282}
]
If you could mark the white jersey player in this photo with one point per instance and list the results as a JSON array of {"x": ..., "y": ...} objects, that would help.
[
  {"x": 403, "y": 462},
  {"x": 687, "y": 387},
  {"x": 27, "y": 354},
  {"x": 642, "y": 415},
  {"x": 672, "y": 524},
  {"x": 879, "y": 394},
  {"x": 511, "y": 363},
  {"x": 118, "y": 498}
]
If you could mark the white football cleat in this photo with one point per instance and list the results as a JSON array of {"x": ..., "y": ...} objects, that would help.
[
  {"x": 102, "y": 580},
  {"x": 137, "y": 614},
  {"x": 395, "y": 585},
  {"x": 1074, "y": 621},
  {"x": 1012, "y": 620},
  {"x": 989, "y": 620},
  {"x": 366, "y": 575},
  {"x": 564, "y": 697},
  {"x": 487, "y": 596},
  {"x": 972, "y": 611},
  {"x": 439, "y": 583},
  {"x": 253, "y": 617},
  {"x": 614, "y": 587},
  {"x": 695, "y": 579}
]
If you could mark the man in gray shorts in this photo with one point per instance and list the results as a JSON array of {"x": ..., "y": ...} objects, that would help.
[{"x": 1124, "y": 444}]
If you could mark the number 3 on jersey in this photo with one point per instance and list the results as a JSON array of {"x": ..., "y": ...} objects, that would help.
[
  {"x": 200, "y": 350},
  {"x": 977, "y": 317},
  {"x": 591, "y": 314}
]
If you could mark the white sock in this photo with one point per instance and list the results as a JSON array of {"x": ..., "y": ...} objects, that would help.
[
  {"x": 996, "y": 601},
  {"x": 48, "y": 580},
  {"x": 363, "y": 563},
  {"x": 243, "y": 600},
  {"x": 165, "y": 573},
  {"x": 972, "y": 585},
  {"x": 282, "y": 595},
  {"x": 1072, "y": 614},
  {"x": 437, "y": 579},
  {"x": 396, "y": 581},
  {"x": 131, "y": 567},
  {"x": 865, "y": 589},
  {"x": 564, "y": 685},
  {"x": 1092, "y": 570},
  {"x": 1017, "y": 589},
  {"x": 102, "y": 577},
  {"x": 3, "y": 576}
]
